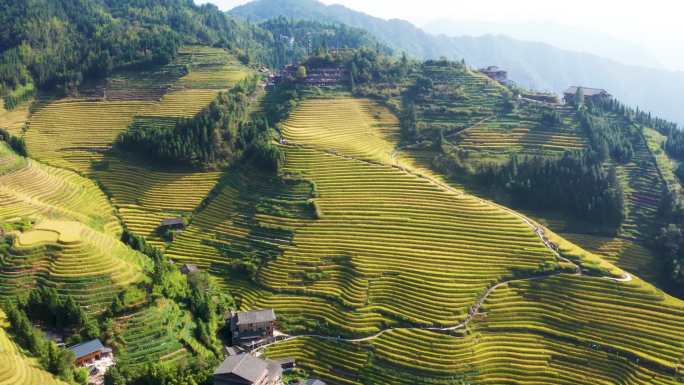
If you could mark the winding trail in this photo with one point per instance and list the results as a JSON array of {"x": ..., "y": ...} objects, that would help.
[{"x": 475, "y": 308}]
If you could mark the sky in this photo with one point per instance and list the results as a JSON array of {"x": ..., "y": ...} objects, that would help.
[{"x": 655, "y": 25}]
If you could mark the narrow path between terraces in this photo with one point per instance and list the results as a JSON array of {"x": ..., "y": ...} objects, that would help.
[{"x": 538, "y": 230}]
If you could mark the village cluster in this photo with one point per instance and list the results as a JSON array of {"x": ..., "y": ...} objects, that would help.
[
  {"x": 594, "y": 94},
  {"x": 243, "y": 365}
]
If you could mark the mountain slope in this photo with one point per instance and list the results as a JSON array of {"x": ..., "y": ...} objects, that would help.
[{"x": 534, "y": 65}]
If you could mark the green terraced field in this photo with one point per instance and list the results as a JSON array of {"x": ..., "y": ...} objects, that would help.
[
  {"x": 73, "y": 134},
  {"x": 89, "y": 266},
  {"x": 469, "y": 109},
  {"x": 31, "y": 189},
  {"x": 17, "y": 369},
  {"x": 154, "y": 335},
  {"x": 626, "y": 254},
  {"x": 145, "y": 194}
]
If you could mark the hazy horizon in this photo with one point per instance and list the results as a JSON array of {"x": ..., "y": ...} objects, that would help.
[{"x": 656, "y": 29}]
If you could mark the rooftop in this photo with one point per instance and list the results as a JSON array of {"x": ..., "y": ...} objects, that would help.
[
  {"x": 189, "y": 268},
  {"x": 588, "y": 91},
  {"x": 172, "y": 221},
  {"x": 244, "y": 366},
  {"x": 85, "y": 348},
  {"x": 256, "y": 316},
  {"x": 248, "y": 367},
  {"x": 491, "y": 69}
]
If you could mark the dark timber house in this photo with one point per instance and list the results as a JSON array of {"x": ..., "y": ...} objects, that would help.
[
  {"x": 172, "y": 224},
  {"x": 495, "y": 73},
  {"x": 590, "y": 94},
  {"x": 254, "y": 325},
  {"x": 245, "y": 369},
  {"x": 188, "y": 269},
  {"x": 90, "y": 351}
]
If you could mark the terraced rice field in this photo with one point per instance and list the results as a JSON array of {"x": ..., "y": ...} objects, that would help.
[
  {"x": 666, "y": 165},
  {"x": 31, "y": 189},
  {"x": 626, "y": 254},
  {"x": 643, "y": 187},
  {"x": 13, "y": 121},
  {"x": 17, "y": 369},
  {"x": 211, "y": 70},
  {"x": 521, "y": 132},
  {"x": 379, "y": 232},
  {"x": 73, "y": 134},
  {"x": 632, "y": 319},
  {"x": 154, "y": 335},
  {"x": 145, "y": 194},
  {"x": 470, "y": 111},
  {"x": 459, "y": 99},
  {"x": 563, "y": 329},
  {"x": 78, "y": 134},
  {"x": 90, "y": 266}
]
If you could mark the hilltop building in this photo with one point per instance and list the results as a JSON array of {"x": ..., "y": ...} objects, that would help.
[
  {"x": 245, "y": 369},
  {"x": 88, "y": 352},
  {"x": 495, "y": 73},
  {"x": 325, "y": 77},
  {"x": 250, "y": 326},
  {"x": 590, "y": 94}
]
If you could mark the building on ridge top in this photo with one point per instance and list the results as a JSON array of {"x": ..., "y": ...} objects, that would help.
[
  {"x": 495, "y": 73},
  {"x": 592, "y": 94}
]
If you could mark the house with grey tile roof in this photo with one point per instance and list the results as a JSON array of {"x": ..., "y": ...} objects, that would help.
[
  {"x": 245, "y": 369},
  {"x": 248, "y": 326}
]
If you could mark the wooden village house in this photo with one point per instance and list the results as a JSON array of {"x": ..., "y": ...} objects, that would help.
[
  {"x": 189, "y": 269},
  {"x": 592, "y": 94},
  {"x": 495, "y": 73},
  {"x": 88, "y": 352},
  {"x": 245, "y": 369},
  {"x": 249, "y": 326},
  {"x": 172, "y": 224}
]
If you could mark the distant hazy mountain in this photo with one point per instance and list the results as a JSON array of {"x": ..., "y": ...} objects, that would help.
[
  {"x": 532, "y": 64},
  {"x": 558, "y": 35}
]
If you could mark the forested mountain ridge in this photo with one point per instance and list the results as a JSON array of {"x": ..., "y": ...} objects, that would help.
[{"x": 533, "y": 65}]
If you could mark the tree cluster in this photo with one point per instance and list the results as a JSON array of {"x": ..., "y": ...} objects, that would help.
[
  {"x": 223, "y": 133},
  {"x": 609, "y": 138},
  {"x": 16, "y": 143},
  {"x": 60, "y": 312},
  {"x": 58, "y": 361},
  {"x": 574, "y": 183}
]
